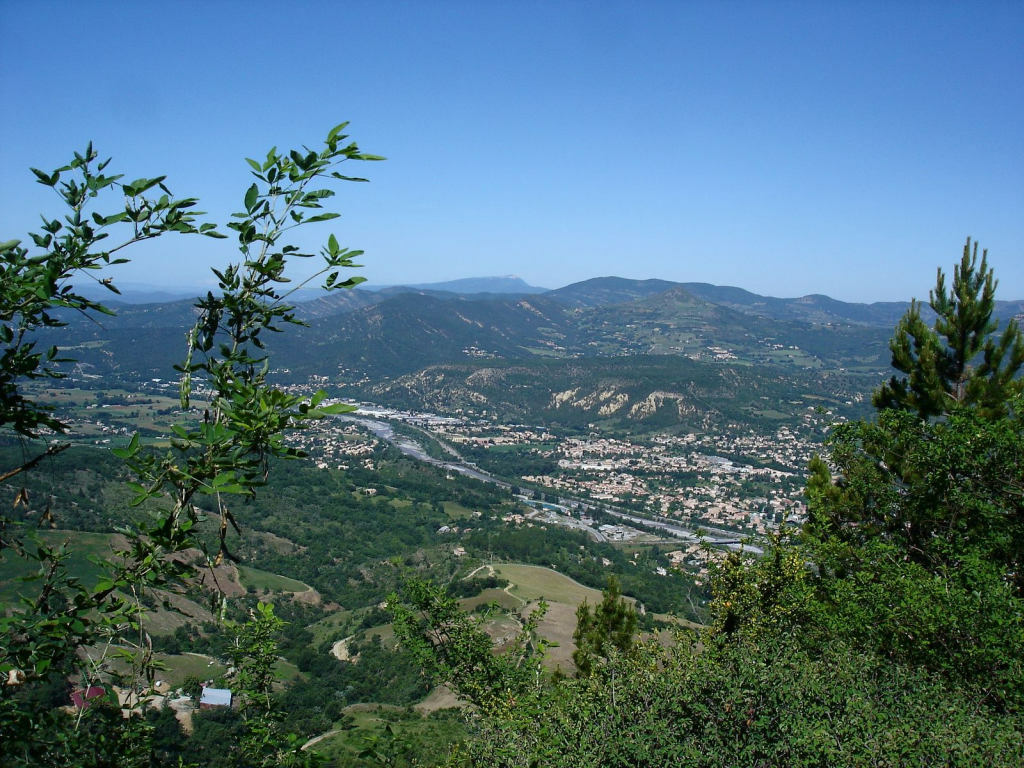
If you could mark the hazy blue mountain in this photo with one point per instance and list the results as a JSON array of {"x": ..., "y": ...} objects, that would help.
[
  {"x": 815, "y": 308},
  {"x": 335, "y": 303},
  {"x": 600, "y": 291},
  {"x": 472, "y": 285},
  {"x": 137, "y": 293},
  {"x": 409, "y": 331}
]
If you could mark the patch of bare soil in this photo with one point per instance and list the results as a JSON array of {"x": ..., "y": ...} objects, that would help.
[
  {"x": 557, "y": 626},
  {"x": 309, "y": 597},
  {"x": 439, "y": 698},
  {"x": 340, "y": 649}
]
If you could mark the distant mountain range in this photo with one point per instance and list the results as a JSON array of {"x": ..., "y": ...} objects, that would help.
[
  {"x": 815, "y": 308},
  {"x": 650, "y": 351},
  {"x": 142, "y": 293},
  {"x": 469, "y": 285}
]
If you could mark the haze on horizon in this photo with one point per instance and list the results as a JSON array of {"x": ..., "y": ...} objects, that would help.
[{"x": 784, "y": 148}]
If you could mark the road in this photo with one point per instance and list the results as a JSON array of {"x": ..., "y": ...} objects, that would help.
[{"x": 409, "y": 447}]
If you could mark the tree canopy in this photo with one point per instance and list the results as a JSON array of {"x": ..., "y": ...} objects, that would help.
[
  {"x": 220, "y": 452},
  {"x": 611, "y": 624},
  {"x": 958, "y": 360}
]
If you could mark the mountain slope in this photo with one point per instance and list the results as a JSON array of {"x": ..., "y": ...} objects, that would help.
[
  {"x": 638, "y": 393},
  {"x": 600, "y": 291}
]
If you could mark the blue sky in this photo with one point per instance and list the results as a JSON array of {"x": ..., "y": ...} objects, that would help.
[{"x": 845, "y": 148}]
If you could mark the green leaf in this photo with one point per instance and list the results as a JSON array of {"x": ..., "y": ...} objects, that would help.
[
  {"x": 331, "y": 410},
  {"x": 44, "y": 178},
  {"x": 130, "y": 450},
  {"x": 342, "y": 177},
  {"x": 224, "y": 478},
  {"x": 333, "y": 133},
  {"x": 251, "y": 197},
  {"x": 323, "y": 217}
]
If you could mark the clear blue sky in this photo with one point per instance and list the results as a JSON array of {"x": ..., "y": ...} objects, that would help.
[{"x": 845, "y": 148}]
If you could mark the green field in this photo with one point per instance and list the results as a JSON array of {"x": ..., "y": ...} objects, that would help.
[
  {"x": 501, "y": 597},
  {"x": 254, "y": 577},
  {"x": 286, "y": 672},
  {"x": 563, "y": 595},
  {"x": 364, "y": 726},
  {"x": 456, "y": 511},
  {"x": 88, "y": 411},
  {"x": 531, "y": 582},
  {"x": 386, "y": 633},
  {"x": 181, "y": 665},
  {"x": 329, "y": 627}
]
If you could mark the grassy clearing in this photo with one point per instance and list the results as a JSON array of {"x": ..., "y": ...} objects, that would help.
[
  {"x": 771, "y": 413},
  {"x": 501, "y": 597},
  {"x": 258, "y": 579},
  {"x": 531, "y": 582},
  {"x": 456, "y": 511},
  {"x": 365, "y": 726},
  {"x": 286, "y": 672},
  {"x": 386, "y": 632},
  {"x": 179, "y": 666},
  {"x": 668, "y": 618},
  {"x": 439, "y": 698},
  {"x": 502, "y": 629},
  {"x": 563, "y": 596},
  {"x": 331, "y": 627},
  {"x": 557, "y": 627}
]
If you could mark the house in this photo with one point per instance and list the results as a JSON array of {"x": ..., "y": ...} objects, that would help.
[{"x": 215, "y": 697}]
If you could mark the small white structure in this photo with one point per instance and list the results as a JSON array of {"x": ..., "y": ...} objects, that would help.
[{"x": 215, "y": 697}]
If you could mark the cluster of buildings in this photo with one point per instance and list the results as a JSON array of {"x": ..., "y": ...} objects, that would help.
[
  {"x": 734, "y": 479},
  {"x": 678, "y": 476},
  {"x": 741, "y": 481},
  {"x": 336, "y": 444},
  {"x": 746, "y": 482}
]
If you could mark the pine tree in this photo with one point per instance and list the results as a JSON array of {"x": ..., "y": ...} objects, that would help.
[
  {"x": 611, "y": 624},
  {"x": 938, "y": 473},
  {"x": 958, "y": 361}
]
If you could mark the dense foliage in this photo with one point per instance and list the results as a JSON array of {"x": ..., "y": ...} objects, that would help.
[
  {"x": 607, "y": 628},
  {"x": 575, "y": 555},
  {"x": 890, "y": 633},
  {"x": 958, "y": 361},
  {"x": 220, "y": 453}
]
